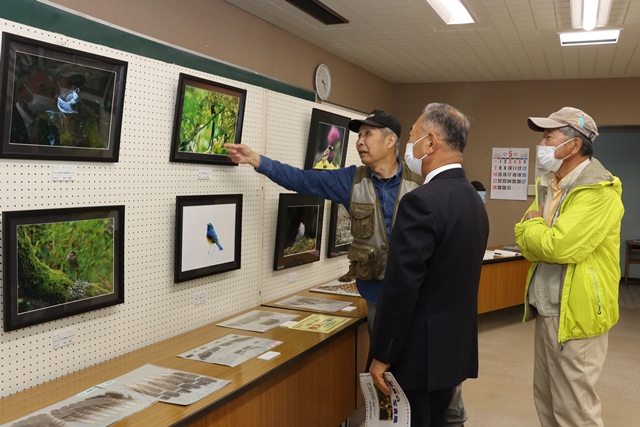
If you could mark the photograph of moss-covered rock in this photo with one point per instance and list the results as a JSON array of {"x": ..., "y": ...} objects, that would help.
[{"x": 63, "y": 262}]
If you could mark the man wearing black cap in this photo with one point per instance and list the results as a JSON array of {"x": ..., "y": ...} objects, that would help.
[
  {"x": 571, "y": 234},
  {"x": 369, "y": 193}
]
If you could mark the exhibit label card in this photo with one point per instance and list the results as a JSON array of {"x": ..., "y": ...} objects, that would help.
[{"x": 320, "y": 323}]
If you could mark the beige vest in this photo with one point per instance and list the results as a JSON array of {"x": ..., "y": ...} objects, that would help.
[{"x": 369, "y": 249}]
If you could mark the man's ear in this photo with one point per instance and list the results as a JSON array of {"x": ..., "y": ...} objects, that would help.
[
  {"x": 432, "y": 142},
  {"x": 393, "y": 138},
  {"x": 579, "y": 144}
]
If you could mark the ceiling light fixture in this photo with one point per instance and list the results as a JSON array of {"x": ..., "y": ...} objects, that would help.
[
  {"x": 452, "y": 12},
  {"x": 319, "y": 11},
  {"x": 589, "y": 37},
  {"x": 589, "y": 14}
]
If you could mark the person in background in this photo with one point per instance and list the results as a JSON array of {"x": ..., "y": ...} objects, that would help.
[
  {"x": 482, "y": 192},
  {"x": 35, "y": 96},
  {"x": 370, "y": 193},
  {"x": 426, "y": 328},
  {"x": 571, "y": 234}
]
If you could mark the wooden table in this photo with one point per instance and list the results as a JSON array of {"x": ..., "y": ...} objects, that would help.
[
  {"x": 361, "y": 305},
  {"x": 633, "y": 246},
  {"x": 311, "y": 383},
  {"x": 362, "y": 333},
  {"x": 502, "y": 283}
]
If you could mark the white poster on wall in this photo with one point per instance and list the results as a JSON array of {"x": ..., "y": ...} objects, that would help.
[{"x": 509, "y": 173}]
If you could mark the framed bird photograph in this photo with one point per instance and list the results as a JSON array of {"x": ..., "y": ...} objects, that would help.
[
  {"x": 299, "y": 230},
  {"x": 61, "y": 262},
  {"x": 328, "y": 138},
  {"x": 208, "y": 234},
  {"x": 59, "y": 103},
  {"x": 207, "y": 116},
  {"x": 340, "y": 237}
]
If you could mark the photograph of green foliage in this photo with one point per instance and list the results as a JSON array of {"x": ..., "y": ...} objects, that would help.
[
  {"x": 340, "y": 237},
  {"x": 328, "y": 138},
  {"x": 59, "y": 103},
  {"x": 208, "y": 115},
  {"x": 61, "y": 262},
  {"x": 299, "y": 230}
]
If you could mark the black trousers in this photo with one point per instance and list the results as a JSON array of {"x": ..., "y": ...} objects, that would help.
[{"x": 428, "y": 407}]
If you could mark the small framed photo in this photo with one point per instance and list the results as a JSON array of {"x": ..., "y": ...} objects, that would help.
[
  {"x": 299, "y": 230},
  {"x": 328, "y": 138},
  {"x": 208, "y": 115},
  {"x": 59, "y": 103},
  {"x": 340, "y": 237},
  {"x": 61, "y": 262},
  {"x": 208, "y": 233}
]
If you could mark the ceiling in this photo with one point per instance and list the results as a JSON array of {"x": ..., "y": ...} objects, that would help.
[{"x": 405, "y": 41}]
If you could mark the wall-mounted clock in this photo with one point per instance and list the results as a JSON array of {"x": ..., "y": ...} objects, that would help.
[{"x": 323, "y": 81}]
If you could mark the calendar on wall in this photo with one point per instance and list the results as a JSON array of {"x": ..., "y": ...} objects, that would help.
[{"x": 509, "y": 173}]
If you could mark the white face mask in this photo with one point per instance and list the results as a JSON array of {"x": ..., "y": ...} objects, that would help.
[
  {"x": 39, "y": 103},
  {"x": 547, "y": 158},
  {"x": 414, "y": 165}
]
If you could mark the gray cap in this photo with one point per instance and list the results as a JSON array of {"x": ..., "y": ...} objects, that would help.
[{"x": 567, "y": 116}]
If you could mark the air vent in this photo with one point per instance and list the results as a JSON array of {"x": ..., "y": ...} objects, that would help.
[{"x": 318, "y": 11}]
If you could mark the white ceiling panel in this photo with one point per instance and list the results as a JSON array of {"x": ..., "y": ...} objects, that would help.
[{"x": 405, "y": 41}]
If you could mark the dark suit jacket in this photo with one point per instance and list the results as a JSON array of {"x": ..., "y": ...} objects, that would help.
[{"x": 426, "y": 326}]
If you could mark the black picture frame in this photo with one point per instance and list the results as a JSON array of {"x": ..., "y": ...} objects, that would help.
[
  {"x": 328, "y": 140},
  {"x": 206, "y": 110},
  {"x": 200, "y": 237},
  {"x": 61, "y": 262},
  {"x": 340, "y": 237},
  {"x": 59, "y": 103},
  {"x": 296, "y": 211}
]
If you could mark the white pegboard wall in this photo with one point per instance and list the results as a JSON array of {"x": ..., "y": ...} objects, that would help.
[
  {"x": 287, "y": 133},
  {"x": 147, "y": 184}
]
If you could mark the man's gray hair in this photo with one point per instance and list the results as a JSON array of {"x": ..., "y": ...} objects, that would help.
[
  {"x": 453, "y": 124},
  {"x": 386, "y": 132},
  {"x": 587, "y": 146}
]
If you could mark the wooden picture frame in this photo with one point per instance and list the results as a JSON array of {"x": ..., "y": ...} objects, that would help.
[
  {"x": 328, "y": 140},
  {"x": 207, "y": 116},
  {"x": 208, "y": 235},
  {"x": 61, "y": 262},
  {"x": 340, "y": 237},
  {"x": 59, "y": 103},
  {"x": 298, "y": 231}
]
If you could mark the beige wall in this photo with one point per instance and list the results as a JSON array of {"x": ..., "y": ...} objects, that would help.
[
  {"x": 499, "y": 111},
  {"x": 225, "y": 32}
]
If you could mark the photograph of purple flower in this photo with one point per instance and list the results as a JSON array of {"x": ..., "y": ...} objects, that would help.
[{"x": 328, "y": 138}]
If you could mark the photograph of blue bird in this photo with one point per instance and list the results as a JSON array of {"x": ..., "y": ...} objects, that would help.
[
  {"x": 212, "y": 238},
  {"x": 301, "y": 230},
  {"x": 67, "y": 102}
]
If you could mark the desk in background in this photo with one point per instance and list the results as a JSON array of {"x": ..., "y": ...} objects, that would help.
[
  {"x": 502, "y": 283},
  {"x": 633, "y": 247}
]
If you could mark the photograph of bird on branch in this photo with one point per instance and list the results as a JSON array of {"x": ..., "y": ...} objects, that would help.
[
  {"x": 328, "y": 138},
  {"x": 209, "y": 120},
  {"x": 301, "y": 229},
  {"x": 61, "y": 262},
  {"x": 329, "y": 148}
]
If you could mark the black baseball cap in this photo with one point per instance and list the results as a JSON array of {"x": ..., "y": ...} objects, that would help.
[{"x": 378, "y": 119}]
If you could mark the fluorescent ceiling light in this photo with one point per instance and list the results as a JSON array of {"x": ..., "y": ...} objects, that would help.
[
  {"x": 452, "y": 12},
  {"x": 589, "y": 37},
  {"x": 589, "y": 14}
]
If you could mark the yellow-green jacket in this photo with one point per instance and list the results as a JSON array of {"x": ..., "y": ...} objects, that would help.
[{"x": 585, "y": 237}]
